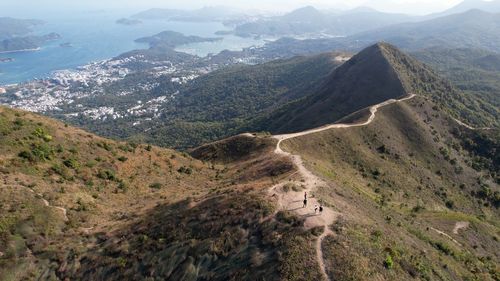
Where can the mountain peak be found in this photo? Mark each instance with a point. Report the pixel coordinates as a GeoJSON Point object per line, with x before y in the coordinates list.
{"type": "Point", "coordinates": [466, 5]}
{"type": "Point", "coordinates": [306, 12]}
{"type": "Point", "coordinates": [374, 75]}
{"type": "Point", "coordinates": [378, 73]}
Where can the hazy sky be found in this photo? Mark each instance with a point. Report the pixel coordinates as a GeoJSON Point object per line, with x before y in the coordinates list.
{"type": "Point", "coordinates": [404, 6]}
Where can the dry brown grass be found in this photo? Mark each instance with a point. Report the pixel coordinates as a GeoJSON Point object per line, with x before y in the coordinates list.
{"type": "Point", "coordinates": [392, 176]}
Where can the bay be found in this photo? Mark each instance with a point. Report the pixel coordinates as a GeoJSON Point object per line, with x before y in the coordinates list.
{"type": "Point", "coordinates": [95, 36]}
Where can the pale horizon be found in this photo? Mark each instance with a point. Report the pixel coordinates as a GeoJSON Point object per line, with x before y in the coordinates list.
{"type": "Point", "coordinates": [30, 8]}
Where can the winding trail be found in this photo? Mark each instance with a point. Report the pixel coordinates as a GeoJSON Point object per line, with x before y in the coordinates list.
{"type": "Point", "coordinates": [469, 126]}
{"type": "Point", "coordinates": [292, 200]}
{"type": "Point", "coordinates": [61, 209]}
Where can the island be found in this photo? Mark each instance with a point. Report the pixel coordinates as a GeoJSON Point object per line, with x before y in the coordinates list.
{"type": "Point", "coordinates": [66, 45]}
{"type": "Point", "coordinates": [6, 59]}
{"type": "Point", "coordinates": [26, 43]}
{"type": "Point", "coordinates": [172, 39]}
{"type": "Point", "coordinates": [125, 21]}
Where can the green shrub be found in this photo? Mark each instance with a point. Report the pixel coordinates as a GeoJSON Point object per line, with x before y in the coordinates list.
{"type": "Point", "coordinates": [123, 186]}
{"type": "Point", "coordinates": [106, 175]}
{"type": "Point", "coordinates": [40, 133]}
{"type": "Point", "coordinates": [185, 170]}
{"type": "Point", "coordinates": [61, 171]}
{"type": "Point", "coordinates": [26, 155]}
{"type": "Point", "coordinates": [71, 163]}
{"type": "Point", "coordinates": [443, 248]}
{"type": "Point", "coordinates": [121, 262]}
{"type": "Point", "coordinates": [42, 151]}
{"type": "Point", "coordinates": [388, 262]}
{"type": "Point", "coordinates": [122, 158]}
{"type": "Point", "coordinates": [449, 204]}
{"type": "Point", "coordinates": [39, 152]}
{"type": "Point", "coordinates": [155, 185]}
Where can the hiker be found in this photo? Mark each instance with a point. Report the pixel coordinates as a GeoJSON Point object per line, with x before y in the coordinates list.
{"type": "Point", "coordinates": [315, 208]}
{"type": "Point", "coordinates": [305, 195]}
{"type": "Point", "coordinates": [320, 209]}
{"type": "Point", "coordinates": [305, 203]}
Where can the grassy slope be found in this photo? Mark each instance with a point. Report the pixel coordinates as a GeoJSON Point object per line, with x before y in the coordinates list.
{"type": "Point", "coordinates": [98, 181]}
{"type": "Point", "coordinates": [136, 211]}
{"type": "Point", "coordinates": [475, 72]}
{"type": "Point", "coordinates": [418, 78]}
{"type": "Point", "coordinates": [395, 181]}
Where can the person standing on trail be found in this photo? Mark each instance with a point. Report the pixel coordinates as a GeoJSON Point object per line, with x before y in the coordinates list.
{"type": "Point", "coordinates": [305, 195]}
{"type": "Point", "coordinates": [315, 208]}
{"type": "Point", "coordinates": [305, 203]}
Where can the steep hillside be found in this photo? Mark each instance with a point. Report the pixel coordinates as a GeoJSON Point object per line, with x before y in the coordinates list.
{"type": "Point", "coordinates": [366, 79]}
{"type": "Point", "coordinates": [475, 72]}
{"type": "Point", "coordinates": [376, 74]}
{"type": "Point", "coordinates": [59, 183]}
{"type": "Point", "coordinates": [77, 206]}
{"type": "Point", "coordinates": [415, 201]}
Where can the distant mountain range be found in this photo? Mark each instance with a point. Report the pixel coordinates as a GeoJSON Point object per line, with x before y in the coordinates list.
{"type": "Point", "coordinates": [492, 6]}
{"type": "Point", "coordinates": [473, 29]}
{"type": "Point", "coordinates": [218, 13]}
{"type": "Point", "coordinates": [309, 21]}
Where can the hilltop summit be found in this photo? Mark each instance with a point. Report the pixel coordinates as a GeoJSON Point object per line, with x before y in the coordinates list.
{"type": "Point", "coordinates": [374, 75]}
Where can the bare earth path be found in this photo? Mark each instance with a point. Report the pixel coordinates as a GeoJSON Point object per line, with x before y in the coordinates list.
{"type": "Point", "coordinates": [292, 200]}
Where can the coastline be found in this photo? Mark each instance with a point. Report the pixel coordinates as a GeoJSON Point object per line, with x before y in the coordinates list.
{"type": "Point", "coordinates": [21, 51]}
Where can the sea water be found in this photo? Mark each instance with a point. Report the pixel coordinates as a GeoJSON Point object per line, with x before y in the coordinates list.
{"type": "Point", "coordinates": [95, 36]}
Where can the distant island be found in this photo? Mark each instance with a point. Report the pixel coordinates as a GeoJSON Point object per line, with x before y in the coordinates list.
{"type": "Point", "coordinates": [125, 21]}
{"type": "Point", "coordinates": [224, 32]}
{"type": "Point", "coordinates": [66, 45]}
{"type": "Point", "coordinates": [27, 43]}
{"type": "Point", "coordinates": [6, 59]}
{"type": "Point", "coordinates": [172, 39]}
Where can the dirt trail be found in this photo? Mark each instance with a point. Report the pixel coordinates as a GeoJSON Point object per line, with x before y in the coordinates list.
{"type": "Point", "coordinates": [293, 200]}
{"type": "Point", "coordinates": [446, 235]}
{"type": "Point", "coordinates": [46, 203]}
{"type": "Point", "coordinates": [470, 127]}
